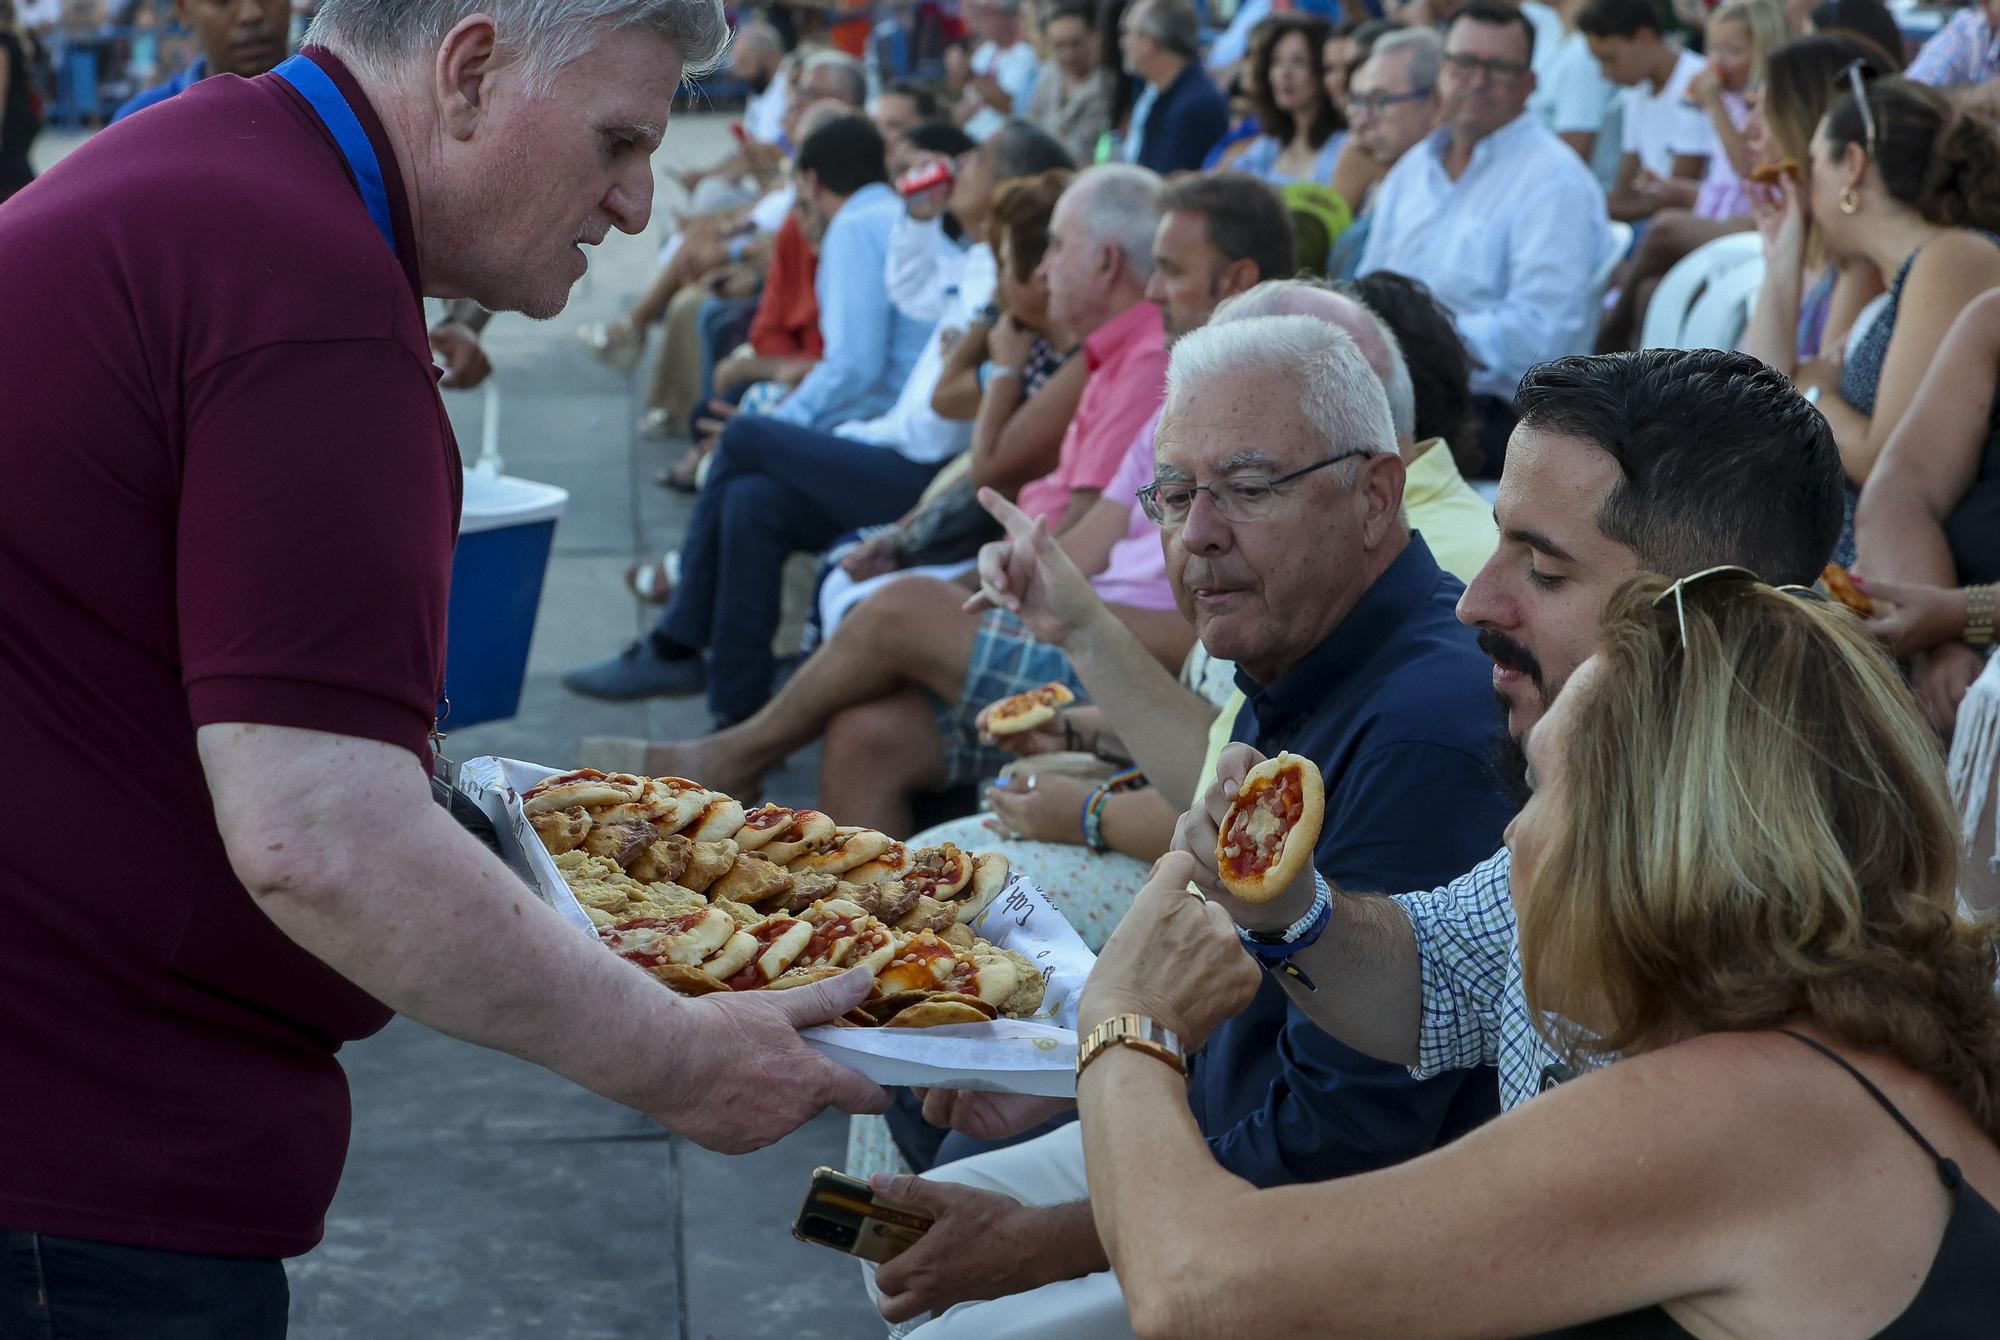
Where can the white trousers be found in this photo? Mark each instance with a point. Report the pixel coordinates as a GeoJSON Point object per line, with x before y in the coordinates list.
{"type": "Point", "coordinates": [1047, 1171]}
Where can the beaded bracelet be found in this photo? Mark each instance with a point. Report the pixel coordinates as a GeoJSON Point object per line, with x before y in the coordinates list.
{"type": "Point", "coordinates": [1092, 819]}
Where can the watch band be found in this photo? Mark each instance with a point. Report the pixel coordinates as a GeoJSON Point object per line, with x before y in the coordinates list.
{"type": "Point", "coordinates": [1137, 1032]}
{"type": "Point", "coordinates": [1979, 616]}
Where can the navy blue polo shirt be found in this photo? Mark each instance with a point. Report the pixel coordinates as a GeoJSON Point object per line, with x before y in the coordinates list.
{"type": "Point", "coordinates": [1396, 707]}
{"type": "Point", "coordinates": [1185, 122]}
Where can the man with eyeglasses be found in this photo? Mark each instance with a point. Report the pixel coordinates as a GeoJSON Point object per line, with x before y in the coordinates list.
{"type": "Point", "coordinates": [1500, 218]}
{"type": "Point", "coordinates": [1278, 493]}
{"type": "Point", "coordinates": [1391, 104]}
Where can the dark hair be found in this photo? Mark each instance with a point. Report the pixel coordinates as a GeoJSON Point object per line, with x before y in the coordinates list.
{"type": "Point", "coordinates": [1276, 121]}
{"type": "Point", "coordinates": [846, 154]}
{"type": "Point", "coordinates": [1867, 18]}
{"type": "Point", "coordinates": [1497, 16]}
{"type": "Point", "coordinates": [1245, 218]}
{"type": "Point", "coordinates": [923, 97]}
{"type": "Point", "coordinates": [1124, 87]}
{"type": "Point", "coordinates": [1799, 84]}
{"type": "Point", "coordinates": [1619, 18]}
{"type": "Point", "coordinates": [1022, 209]}
{"type": "Point", "coordinates": [1929, 156]}
{"type": "Point", "coordinates": [1365, 35]}
{"type": "Point", "coordinates": [940, 137]}
{"type": "Point", "coordinates": [1440, 372]}
{"type": "Point", "coordinates": [1723, 461]}
{"type": "Point", "coordinates": [1083, 11]}
{"type": "Point", "coordinates": [1022, 149]}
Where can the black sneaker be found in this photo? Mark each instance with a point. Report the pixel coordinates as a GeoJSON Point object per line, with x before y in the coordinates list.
{"type": "Point", "coordinates": [639, 672]}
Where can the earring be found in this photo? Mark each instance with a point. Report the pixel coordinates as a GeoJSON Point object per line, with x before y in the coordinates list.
{"type": "Point", "coordinates": [1850, 200]}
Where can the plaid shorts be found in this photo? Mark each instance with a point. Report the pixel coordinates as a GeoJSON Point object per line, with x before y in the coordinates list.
{"type": "Point", "coordinates": [1006, 659]}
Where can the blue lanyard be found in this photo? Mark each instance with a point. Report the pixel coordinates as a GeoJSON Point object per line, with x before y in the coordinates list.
{"type": "Point", "coordinates": [316, 87]}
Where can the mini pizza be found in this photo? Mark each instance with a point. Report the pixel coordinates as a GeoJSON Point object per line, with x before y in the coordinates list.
{"type": "Point", "coordinates": [846, 849]}
{"type": "Point", "coordinates": [920, 963]}
{"type": "Point", "coordinates": [720, 820]}
{"type": "Point", "coordinates": [561, 830]}
{"type": "Point", "coordinates": [989, 877]}
{"type": "Point", "coordinates": [687, 938]}
{"type": "Point", "coordinates": [889, 865]}
{"type": "Point", "coordinates": [666, 808]}
{"type": "Point", "coordinates": [623, 841]}
{"type": "Point", "coordinates": [1770, 173]}
{"type": "Point", "coordinates": [810, 829]}
{"type": "Point", "coordinates": [1267, 837]}
{"type": "Point", "coordinates": [940, 872]}
{"type": "Point", "coordinates": [938, 1010]}
{"type": "Point", "coordinates": [586, 787]}
{"type": "Point", "coordinates": [845, 936]}
{"type": "Point", "coordinates": [763, 824]}
{"type": "Point", "coordinates": [1842, 588]}
{"type": "Point", "coordinates": [751, 880]}
{"type": "Point", "coordinates": [780, 940]}
{"type": "Point", "coordinates": [1024, 711]}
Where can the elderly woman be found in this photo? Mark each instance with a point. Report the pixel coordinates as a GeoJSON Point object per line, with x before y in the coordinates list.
{"type": "Point", "coordinates": [1734, 884]}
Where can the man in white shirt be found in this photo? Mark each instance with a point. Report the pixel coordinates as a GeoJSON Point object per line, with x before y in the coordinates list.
{"type": "Point", "coordinates": [1667, 137]}
{"type": "Point", "coordinates": [1003, 66]}
{"type": "Point", "coordinates": [757, 57]}
{"type": "Point", "coordinates": [1500, 218]}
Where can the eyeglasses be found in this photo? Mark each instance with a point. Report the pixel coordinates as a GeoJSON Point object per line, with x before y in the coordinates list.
{"type": "Point", "coordinates": [1498, 69]}
{"type": "Point", "coordinates": [1727, 572]}
{"type": "Point", "coordinates": [1374, 104]}
{"type": "Point", "coordinates": [1853, 72]}
{"type": "Point", "coordinates": [1236, 497]}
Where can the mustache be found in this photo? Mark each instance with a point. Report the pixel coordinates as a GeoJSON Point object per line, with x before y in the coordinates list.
{"type": "Point", "coordinates": [1199, 573]}
{"type": "Point", "coordinates": [1508, 653]}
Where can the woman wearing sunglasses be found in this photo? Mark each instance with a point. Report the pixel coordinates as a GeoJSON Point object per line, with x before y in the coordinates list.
{"type": "Point", "coordinates": [1734, 885]}
{"type": "Point", "coordinates": [1898, 178]}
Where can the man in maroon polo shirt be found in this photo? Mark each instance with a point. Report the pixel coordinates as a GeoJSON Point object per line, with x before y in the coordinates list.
{"type": "Point", "coordinates": [226, 529]}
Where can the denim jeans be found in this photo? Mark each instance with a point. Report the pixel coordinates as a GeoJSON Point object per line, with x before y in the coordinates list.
{"type": "Point", "coordinates": [69, 1289]}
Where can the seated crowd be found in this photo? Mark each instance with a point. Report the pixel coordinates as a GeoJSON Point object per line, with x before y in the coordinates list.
{"type": "Point", "coordinates": [1279, 394]}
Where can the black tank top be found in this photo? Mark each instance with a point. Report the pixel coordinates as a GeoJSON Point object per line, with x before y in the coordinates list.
{"type": "Point", "coordinates": [1960, 1296]}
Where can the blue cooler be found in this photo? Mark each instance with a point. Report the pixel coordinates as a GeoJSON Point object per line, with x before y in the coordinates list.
{"type": "Point", "coordinates": [496, 587]}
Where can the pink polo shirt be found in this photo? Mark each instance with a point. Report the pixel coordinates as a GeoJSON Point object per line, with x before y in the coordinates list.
{"type": "Point", "coordinates": [1135, 573]}
{"type": "Point", "coordinates": [1128, 379]}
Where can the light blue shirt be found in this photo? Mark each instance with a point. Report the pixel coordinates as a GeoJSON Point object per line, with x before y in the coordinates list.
{"type": "Point", "coordinates": [1509, 248]}
{"type": "Point", "coordinates": [1135, 130]}
{"type": "Point", "coordinates": [871, 344]}
{"type": "Point", "coordinates": [1260, 160]}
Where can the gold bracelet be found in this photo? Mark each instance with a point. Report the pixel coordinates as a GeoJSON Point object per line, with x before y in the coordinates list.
{"type": "Point", "coordinates": [1979, 616]}
{"type": "Point", "coordinates": [1137, 1032]}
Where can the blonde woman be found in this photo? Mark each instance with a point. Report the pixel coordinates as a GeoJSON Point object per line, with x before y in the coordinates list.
{"type": "Point", "coordinates": [1735, 894]}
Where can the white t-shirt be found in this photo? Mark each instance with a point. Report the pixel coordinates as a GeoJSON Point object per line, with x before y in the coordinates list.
{"type": "Point", "coordinates": [1573, 95]}
{"type": "Point", "coordinates": [1662, 125]}
{"type": "Point", "coordinates": [764, 114]}
{"type": "Point", "coordinates": [1548, 26]}
{"type": "Point", "coordinates": [1015, 69]}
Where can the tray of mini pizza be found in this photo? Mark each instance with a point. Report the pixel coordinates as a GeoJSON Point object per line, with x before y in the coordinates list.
{"type": "Point", "coordinates": [976, 972]}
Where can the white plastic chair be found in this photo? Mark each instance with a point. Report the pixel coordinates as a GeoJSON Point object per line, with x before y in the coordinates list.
{"type": "Point", "coordinates": [1621, 244]}
{"type": "Point", "coordinates": [1717, 319]}
{"type": "Point", "coordinates": [1674, 297]}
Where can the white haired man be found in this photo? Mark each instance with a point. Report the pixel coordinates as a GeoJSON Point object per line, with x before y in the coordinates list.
{"type": "Point", "coordinates": [218, 381]}
{"type": "Point", "coordinates": [1278, 489]}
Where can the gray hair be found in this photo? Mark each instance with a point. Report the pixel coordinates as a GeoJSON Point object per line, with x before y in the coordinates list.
{"type": "Point", "coordinates": [852, 73]}
{"type": "Point", "coordinates": [1174, 24]}
{"type": "Point", "coordinates": [541, 35]}
{"type": "Point", "coordinates": [758, 33]}
{"type": "Point", "coordinates": [1119, 204]}
{"type": "Point", "coordinates": [1425, 49]}
{"type": "Point", "coordinates": [1277, 297]}
{"type": "Point", "coordinates": [1340, 397]}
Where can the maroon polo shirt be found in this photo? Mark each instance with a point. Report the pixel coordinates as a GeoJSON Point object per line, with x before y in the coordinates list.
{"type": "Point", "coordinates": [228, 492]}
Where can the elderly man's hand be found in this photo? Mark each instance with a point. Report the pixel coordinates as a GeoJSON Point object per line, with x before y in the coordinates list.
{"type": "Point", "coordinates": [741, 1078]}
{"type": "Point", "coordinates": [465, 361]}
{"type": "Point", "coordinates": [989, 1116]}
{"type": "Point", "coordinates": [1031, 576]}
{"type": "Point", "coordinates": [1175, 959]}
{"type": "Point", "coordinates": [1196, 835]}
{"type": "Point", "coordinates": [982, 1245]}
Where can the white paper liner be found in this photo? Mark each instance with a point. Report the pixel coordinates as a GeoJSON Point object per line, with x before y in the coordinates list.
{"type": "Point", "coordinates": [1030, 1056]}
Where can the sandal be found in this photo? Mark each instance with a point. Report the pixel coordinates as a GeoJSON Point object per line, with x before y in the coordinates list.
{"type": "Point", "coordinates": [684, 475]}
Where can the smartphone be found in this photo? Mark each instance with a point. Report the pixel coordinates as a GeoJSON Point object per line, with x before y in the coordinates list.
{"type": "Point", "coordinates": [843, 1213]}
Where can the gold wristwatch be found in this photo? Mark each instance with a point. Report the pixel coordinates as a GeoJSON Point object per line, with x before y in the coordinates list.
{"type": "Point", "coordinates": [1137, 1032]}
{"type": "Point", "coordinates": [1979, 601]}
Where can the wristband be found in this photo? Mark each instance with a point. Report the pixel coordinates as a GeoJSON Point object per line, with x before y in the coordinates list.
{"type": "Point", "coordinates": [1092, 819]}
{"type": "Point", "coordinates": [1273, 950]}
{"type": "Point", "coordinates": [991, 371]}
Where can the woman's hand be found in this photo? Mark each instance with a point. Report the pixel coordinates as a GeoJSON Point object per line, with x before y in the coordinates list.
{"type": "Point", "coordinates": [1781, 221]}
{"type": "Point", "coordinates": [1174, 958]}
{"type": "Point", "coordinates": [1911, 618]}
{"type": "Point", "coordinates": [874, 556]}
{"type": "Point", "coordinates": [1009, 342]}
{"type": "Point", "coordinates": [1046, 807]}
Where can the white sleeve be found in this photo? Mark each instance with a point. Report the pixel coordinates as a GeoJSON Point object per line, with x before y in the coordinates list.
{"type": "Point", "coordinates": [1583, 96]}
{"type": "Point", "coordinates": [915, 272]}
{"type": "Point", "coordinates": [1633, 135]}
{"type": "Point", "coordinates": [1557, 232]}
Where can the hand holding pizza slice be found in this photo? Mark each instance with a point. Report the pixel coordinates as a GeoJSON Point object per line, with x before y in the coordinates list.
{"type": "Point", "coordinates": [1265, 841]}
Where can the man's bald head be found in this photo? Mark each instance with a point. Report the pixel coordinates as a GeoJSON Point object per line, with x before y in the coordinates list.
{"type": "Point", "coordinates": [1378, 344]}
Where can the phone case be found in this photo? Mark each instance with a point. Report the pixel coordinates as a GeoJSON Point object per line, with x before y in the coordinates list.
{"type": "Point", "coordinates": [842, 1212]}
